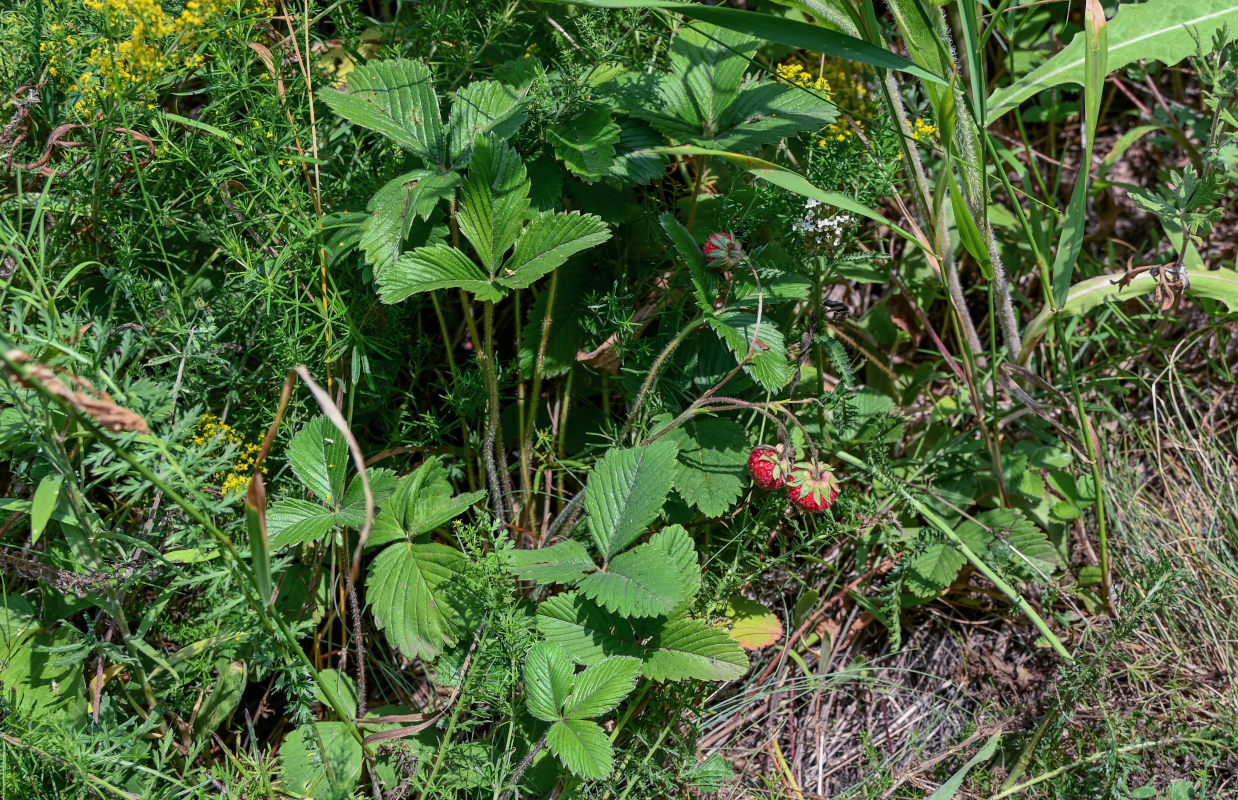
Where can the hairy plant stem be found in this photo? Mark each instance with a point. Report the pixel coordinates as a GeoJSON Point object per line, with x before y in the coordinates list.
{"type": "Point", "coordinates": [524, 764]}
{"type": "Point", "coordinates": [455, 377]}
{"type": "Point", "coordinates": [482, 351]}
{"type": "Point", "coordinates": [658, 363]}
{"type": "Point", "coordinates": [539, 368]}
{"type": "Point", "coordinates": [495, 422]}
{"type": "Point", "coordinates": [932, 218]}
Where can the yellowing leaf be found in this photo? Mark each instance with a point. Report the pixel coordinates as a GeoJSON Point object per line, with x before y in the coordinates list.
{"type": "Point", "coordinates": [752, 625]}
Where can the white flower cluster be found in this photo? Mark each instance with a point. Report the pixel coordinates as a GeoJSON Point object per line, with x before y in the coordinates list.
{"type": "Point", "coordinates": [820, 228]}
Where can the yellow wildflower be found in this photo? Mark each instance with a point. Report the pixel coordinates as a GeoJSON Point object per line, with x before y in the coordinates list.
{"type": "Point", "coordinates": [922, 131]}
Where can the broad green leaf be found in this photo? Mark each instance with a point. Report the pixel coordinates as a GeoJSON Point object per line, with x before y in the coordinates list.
{"type": "Point", "coordinates": [351, 513]}
{"type": "Point", "coordinates": [707, 67]}
{"type": "Point", "coordinates": [1035, 556]}
{"type": "Point", "coordinates": [631, 165]}
{"type": "Point", "coordinates": [397, 99]}
{"type": "Point", "coordinates": [549, 241]}
{"type": "Point", "coordinates": [564, 562]}
{"type": "Point", "coordinates": [420, 502]}
{"type": "Point", "coordinates": [625, 493]}
{"type": "Point", "coordinates": [318, 455]}
{"type": "Point", "coordinates": [221, 699]}
{"type": "Point", "coordinates": [17, 621]}
{"type": "Point", "coordinates": [294, 521]}
{"type": "Point", "coordinates": [712, 463]}
{"type": "Point", "coordinates": [1155, 30]}
{"type": "Point", "coordinates": [773, 285]}
{"type": "Point", "coordinates": [583, 747]}
{"type": "Point", "coordinates": [494, 201]}
{"type": "Point", "coordinates": [585, 632]}
{"type": "Point", "coordinates": [481, 108]}
{"type": "Point", "coordinates": [752, 625]}
{"type": "Point", "coordinates": [601, 687]}
{"type": "Point", "coordinates": [792, 32]}
{"type": "Point", "coordinates": [690, 648]}
{"type": "Point", "coordinates": [639, 583]}
{"type": "Point", "coordinates": [438, 266]}
{"type": "Point", "coordinates": [769, 112]}
{"type": "Point", "coordinates": [338, 683]}
{"type": "Point", "coordinates": [704, 281]}
{"type": "Point", "coordinates": [700, 101]}
{"type": "Point", "coordinates": [586, 143]}
{"type": "Point", "coordinates": [548, 674]}
{"type": "Point", "coordinates": [677, 548]}
{"type": "Point", "coordinates": [739, 331]}
{"type": "Point", "coordinates": [331, 772]}
{"type": "Point", "coordinates": [43, 504]}
{"type": "Point", "coordinates": [710, 775]}
{"type": "Point", "coordinates": [931, 571]}
{"type": "Point", "coordinates": [411, 593]}
{"type": "Point", "coordinates": [46, 686]}
{"type": "Point", "coordinates": [393, 209]}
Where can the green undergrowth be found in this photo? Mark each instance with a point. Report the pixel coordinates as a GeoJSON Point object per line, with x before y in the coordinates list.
{"type": "Point", "coordinates": [381, 382]}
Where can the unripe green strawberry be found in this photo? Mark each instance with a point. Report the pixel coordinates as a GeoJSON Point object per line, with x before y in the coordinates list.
{"type": "Point", "coordinates": [812, 487]}
{"type": "Point", "coordinates": [769, 466]}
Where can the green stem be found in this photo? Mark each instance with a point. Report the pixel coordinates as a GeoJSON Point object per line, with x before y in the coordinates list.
{"type": "Point", "coordinates": [658, 363]}
{"type": "Point", "coordinates": [495, 424]}
{"type": "Point", "coordinates": [699, 162]}
{"type": "Point", "coordinates": [975, 560]}
{"type": "Point", "coordinates": [1083, 762]}
{"type": "Point", "coordinates": [539, 368]}
{"type": "Point", "coordinates": [1089, 441]}
{"type": "Point", "coordinates": [648, 755]}
{"type": "Point", "coordinates": [455, 377]}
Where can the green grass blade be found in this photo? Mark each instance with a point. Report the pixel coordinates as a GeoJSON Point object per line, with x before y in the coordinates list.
{"type": "Point", "coordinates": [1071, 242]}
{"type": "Point", "coordinates": [790, 32]}
{"type": "Point", "coordinates": [1158, 30]}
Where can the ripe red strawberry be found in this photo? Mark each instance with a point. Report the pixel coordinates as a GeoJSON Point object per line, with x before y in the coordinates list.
{"type": "Point", "coordinates": [769, 466]}
{"type": "Point", "coordinates": [812, 487]}
{"type": "Point", "coordinates": [721, 248]}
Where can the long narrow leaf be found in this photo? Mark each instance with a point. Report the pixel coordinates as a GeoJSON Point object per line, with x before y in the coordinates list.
{"type": "Point", "coordinates": [791, 32]}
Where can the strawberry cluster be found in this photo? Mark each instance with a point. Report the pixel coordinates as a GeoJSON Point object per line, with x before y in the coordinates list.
{"type": "Point", "coordinates": [810, 484]}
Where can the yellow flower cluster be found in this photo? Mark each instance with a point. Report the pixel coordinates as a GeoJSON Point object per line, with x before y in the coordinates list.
{"type": "Point", "coordinates": [794, 73]}
{"type": "Point", "coordinates": [922, 131]}
{"type": "Point", "coordinates": [150, 44]}
{"type": "Point", "coordinates": [841, 84]}
{"type": "Point", "coordinates": [215, 435]}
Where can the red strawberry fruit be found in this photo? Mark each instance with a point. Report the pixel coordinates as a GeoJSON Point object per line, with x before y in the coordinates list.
{"type": "Point", "coordinates": [722, 248]}
{"type": "Point", "coordinates": [769, 466]}
{"type": "Point", "coordinates": [812, 487]}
